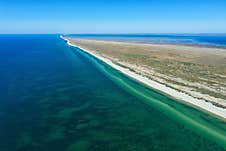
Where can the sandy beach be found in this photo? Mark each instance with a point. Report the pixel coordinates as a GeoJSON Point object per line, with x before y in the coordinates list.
{"type": "Point", "coordinates": [200, 102]}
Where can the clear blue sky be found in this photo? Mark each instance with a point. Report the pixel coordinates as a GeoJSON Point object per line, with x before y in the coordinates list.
{"type": "Point", "coordinates": [112, 16]}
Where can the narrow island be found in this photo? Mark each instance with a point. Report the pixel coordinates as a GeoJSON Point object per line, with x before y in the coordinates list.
{"type": "Point", "coordinates": [193, 75]}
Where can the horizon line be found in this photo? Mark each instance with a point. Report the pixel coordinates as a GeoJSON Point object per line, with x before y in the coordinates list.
{"type": "Point", "coordinates": [135, 33]}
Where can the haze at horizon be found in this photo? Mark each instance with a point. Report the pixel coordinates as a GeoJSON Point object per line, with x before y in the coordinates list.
{"type": "Point", "coordinates": [103, 16]}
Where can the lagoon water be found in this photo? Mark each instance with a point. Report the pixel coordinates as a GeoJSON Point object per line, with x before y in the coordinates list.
{"type": "Point", "coordinates": [56, 97]}
{"type": "Point", "coordinates": [203, 40]}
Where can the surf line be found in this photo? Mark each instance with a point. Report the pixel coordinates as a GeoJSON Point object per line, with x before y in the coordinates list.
{"type": "Point", "coordinates": [164, 108]}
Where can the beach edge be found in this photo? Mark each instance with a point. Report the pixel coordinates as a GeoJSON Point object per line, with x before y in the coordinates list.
{"type": "Point", "coordinates": [180, 96]}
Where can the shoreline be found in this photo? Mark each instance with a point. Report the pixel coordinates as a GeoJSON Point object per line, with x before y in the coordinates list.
{"type": "Point", "coordinates": [180, 96]}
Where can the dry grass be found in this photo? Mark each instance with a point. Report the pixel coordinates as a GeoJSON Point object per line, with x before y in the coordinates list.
{"type": "Point", "coordinates": [199, 69]}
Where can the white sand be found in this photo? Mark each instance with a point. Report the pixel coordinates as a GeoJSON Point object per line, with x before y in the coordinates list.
{"type": "Point", "coordinates": [198, 103]}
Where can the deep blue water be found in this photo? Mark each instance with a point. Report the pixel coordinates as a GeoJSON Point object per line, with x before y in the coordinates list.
{"type": "Point", "coordinates": [53, 98]}
{"type": "Point", "coordinates": [214, 40]}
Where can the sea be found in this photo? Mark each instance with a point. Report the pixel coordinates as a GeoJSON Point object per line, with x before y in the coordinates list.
{"type": "Point", "coordinates": [55, 97]}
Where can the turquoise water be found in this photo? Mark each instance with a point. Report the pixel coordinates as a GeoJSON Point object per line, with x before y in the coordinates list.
{"type": "Point", "coordinates": [55, 97]}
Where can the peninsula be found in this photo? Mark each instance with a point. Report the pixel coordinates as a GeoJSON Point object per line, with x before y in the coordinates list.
{"type": "Point", "coordinates": [191, 74]}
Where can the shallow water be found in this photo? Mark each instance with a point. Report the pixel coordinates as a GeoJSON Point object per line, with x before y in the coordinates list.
{"type": "Point", "coordinates": [206, 40]}
{"type": "Point", "coordinates": [55, 97]}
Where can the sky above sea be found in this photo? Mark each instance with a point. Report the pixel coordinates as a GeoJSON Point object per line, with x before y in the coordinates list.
{"type": "Point", "coordinates": [108, 16]}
